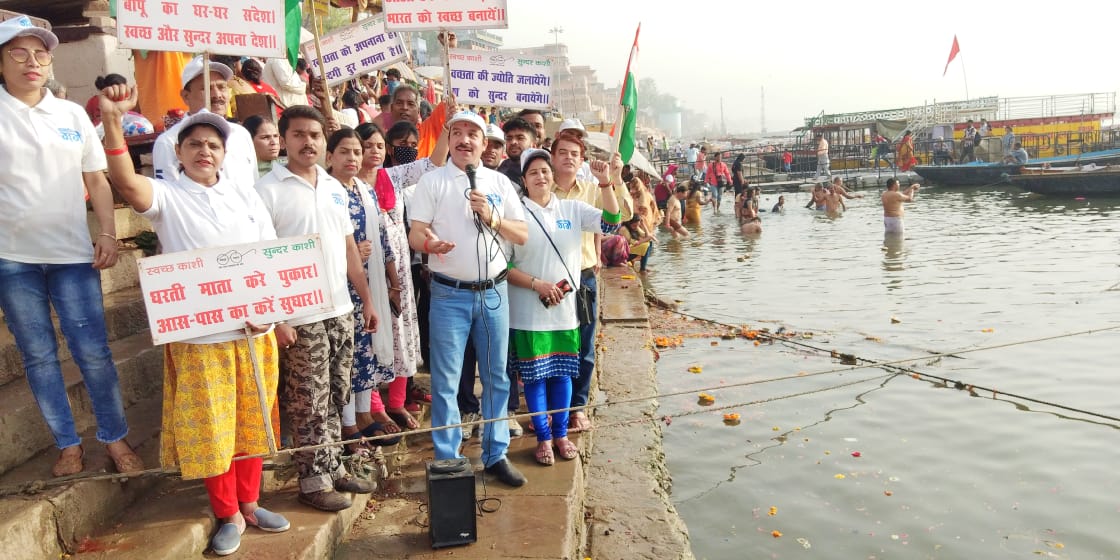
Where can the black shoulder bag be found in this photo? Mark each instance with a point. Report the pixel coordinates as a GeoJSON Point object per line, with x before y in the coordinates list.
{"type": "Point", "coordinates": [585, 310]}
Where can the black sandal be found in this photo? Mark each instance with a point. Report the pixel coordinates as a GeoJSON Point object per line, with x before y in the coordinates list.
{"type": "Point", "coordinates": [376, 429]}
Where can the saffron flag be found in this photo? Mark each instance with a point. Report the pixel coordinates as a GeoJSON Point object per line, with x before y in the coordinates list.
{"type": "Point", "coordinates": [293, 23]}
{"type": "Point", "coordinates": [628, 105]}
{"type": "Point", "coordinates": [952, 54]}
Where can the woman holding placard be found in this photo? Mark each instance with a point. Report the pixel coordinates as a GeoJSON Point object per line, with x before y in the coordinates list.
{"type": "Point", "coordinates": [211, 411]}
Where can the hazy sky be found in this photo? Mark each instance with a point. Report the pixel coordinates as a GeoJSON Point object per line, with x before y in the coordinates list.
{"type": "Point", "coordinates": [832, 56]}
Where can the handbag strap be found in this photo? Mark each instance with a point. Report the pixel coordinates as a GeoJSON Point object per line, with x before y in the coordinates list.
{"type": "Point", "coordinates": [550, 242]}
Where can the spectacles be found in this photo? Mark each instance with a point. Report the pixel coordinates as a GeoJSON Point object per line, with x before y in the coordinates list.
{"type": "Point", "coordinates": [21, 55]}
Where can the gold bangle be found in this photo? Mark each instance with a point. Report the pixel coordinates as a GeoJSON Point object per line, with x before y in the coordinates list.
{"type": "Point", "coordinates": [109, 235]}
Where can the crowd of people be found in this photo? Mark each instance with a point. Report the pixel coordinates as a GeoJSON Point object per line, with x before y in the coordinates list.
{"type": "Point", "coordinates": [447, 216]}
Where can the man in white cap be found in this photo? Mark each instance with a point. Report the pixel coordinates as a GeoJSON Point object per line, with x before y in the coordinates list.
{"type": "Point", "coordinates": [241, 157]}
{"type": "Point", "coordinates": [466, 216]}
{"type": "Point", "coordinates": [495, 146]}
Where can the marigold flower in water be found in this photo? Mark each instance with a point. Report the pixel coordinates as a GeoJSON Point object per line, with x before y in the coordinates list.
{"type": "Point", "coordinates": [775, 533]}
{"type": "Point", "coordinates": [773, 511]}
{"type": "Point", "coordinates": [839, 476]}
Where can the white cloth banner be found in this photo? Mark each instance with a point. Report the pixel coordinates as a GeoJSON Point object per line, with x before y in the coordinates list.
{"type": "Point", "coordinates": [431, 15]}
{"type": "Point", "coordinates": [235, 27]}
{"type": "Point", "coordinates": [208, 291]}
{"type": "Point", "coordinates": [501, 78]}
{"type": "Point", "coordinates": [355, 50]}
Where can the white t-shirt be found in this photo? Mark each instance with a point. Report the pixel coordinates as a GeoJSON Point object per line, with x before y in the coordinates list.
{"type": "Point", "coordinates": [441, 199]}
{"type": "Point", "coordinates": [189, 216]}
{"type": "Point", "coordinates": [299, 208]}
{"type": "Point", "coordinates": [565, 221]}
{"type": "Point", "coordinates": [240, 163]}
{"type": "Point", "coordinates": [43, 152]}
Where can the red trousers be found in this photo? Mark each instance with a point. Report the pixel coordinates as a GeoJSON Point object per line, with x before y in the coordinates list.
{"type": "Point", "coordinates": [240, 484]}
{"type": "Point", "coordinates": [397, 389]}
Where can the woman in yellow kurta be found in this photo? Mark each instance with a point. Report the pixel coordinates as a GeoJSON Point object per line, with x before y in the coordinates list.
{"type": "Point", "coordinates": [693, 204]}
{"type": "Point", "coordinates": [906, 158]}
{"type": "Point", "coordinates": [211, 409]}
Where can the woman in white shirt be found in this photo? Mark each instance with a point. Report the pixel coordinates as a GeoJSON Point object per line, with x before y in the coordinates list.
{"type": "Point", "coordinates": [211, 411]}
{"type": "Point", "coordinates": [49, 153]}
{"type": "Point", "coordinates": [544, 337]}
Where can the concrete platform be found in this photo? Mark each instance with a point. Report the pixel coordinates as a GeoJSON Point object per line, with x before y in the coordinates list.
{"type": "Point", "coordinates": [22, 429]}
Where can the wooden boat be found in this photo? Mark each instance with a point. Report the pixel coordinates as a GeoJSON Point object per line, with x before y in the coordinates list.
{"type": "Point", "coordinates": [977, 173]}
{"type": "Point", "coordinates": [1071, 181]}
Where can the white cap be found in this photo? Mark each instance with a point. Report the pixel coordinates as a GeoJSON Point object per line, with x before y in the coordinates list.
{"type": "Point", "coordinates": [193, 69]}
{"type": "Point", "coordinates": [495, 133]}
{"type": "Point", "coordinates": [208, 118]}
{"type": "Point", "coordinates": [22, 27]}
{"type": "Point", "coordinates": [533, 153]}
{"type": "Point", "coordinates": [468, 116]}
{"type": "Point", "coordinates": [573, 124]}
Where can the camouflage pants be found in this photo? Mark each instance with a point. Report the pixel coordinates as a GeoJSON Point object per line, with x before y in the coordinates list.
{"type": "Point", "coordinates": [314, 386]}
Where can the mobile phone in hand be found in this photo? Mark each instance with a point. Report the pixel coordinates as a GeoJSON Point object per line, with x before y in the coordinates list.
{"type": "Point", "coordinates": [565, 289]}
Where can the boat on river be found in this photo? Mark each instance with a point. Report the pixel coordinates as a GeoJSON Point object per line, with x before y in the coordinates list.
{"type": "Point", "coordinates": [981, 173]}
{"type": "Point", "coordinates": [1071, 181]}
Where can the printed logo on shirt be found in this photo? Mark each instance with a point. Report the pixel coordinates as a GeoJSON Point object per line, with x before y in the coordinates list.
{"type": "Point", "coordinates": [70, 135]}
{"type": "Point", "coordinates": [494, 199]}
{"type": "Point", "coordinates": [338, 199]}
{"type": "Point", "coordinates": [159, 174]}
{"type": "Point", "coordinates": [563, 224]}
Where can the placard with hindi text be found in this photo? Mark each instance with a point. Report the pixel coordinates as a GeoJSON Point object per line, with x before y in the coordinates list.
{"type": "Point", "coordinates": [355, 50]}
{"type": "Point", "coordinates": [232, 27]}
{"type": "Point", "coordinates": [208, 291]}
{"type": "Point", "coordinates": [501, 78]}
{"type": "Point", "coordinates": [432, 15]}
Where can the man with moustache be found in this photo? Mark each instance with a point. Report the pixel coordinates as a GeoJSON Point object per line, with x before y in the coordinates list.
{"type": "Point", "coordinates": [241, 156]}
{"type": "Point", "coordinates": [303, 199]}
{"type": "Point", "coordinates": [405, 106]}
{"type": "Point", "coordinates": [520, 136]}
{"type": "Point", "coordinates": [466, 222]}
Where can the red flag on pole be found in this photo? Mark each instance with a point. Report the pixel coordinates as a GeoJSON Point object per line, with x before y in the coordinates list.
{"type": "Point", "coordinates": [952, 54]}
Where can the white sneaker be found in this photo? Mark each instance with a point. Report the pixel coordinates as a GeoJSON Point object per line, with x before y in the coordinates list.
{"type": "Point", "coordinates": [468, 431]}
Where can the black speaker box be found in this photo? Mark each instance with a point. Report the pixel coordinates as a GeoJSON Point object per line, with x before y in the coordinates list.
{"type": "Point", "coordinates": [451, 503]}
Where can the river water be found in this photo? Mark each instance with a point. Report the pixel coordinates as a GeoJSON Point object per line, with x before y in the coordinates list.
{"type": "Point", "coordinates": [898, 467]}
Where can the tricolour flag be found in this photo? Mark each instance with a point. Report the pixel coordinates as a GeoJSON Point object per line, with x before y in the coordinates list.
{"type": "Point", "coordinates": [628, 107]}
{"type": "Point", "coordinates": [293, 24]}
{"type": "Point", "coordinates": [952, 54]}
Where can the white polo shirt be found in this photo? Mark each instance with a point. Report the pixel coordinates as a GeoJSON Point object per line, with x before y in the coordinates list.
{"type": "Point", "coordinates": [240, 164]}
{"type": "Point", "coordinates": [441, 199]}
{"type": "Point", "coordinates": [565, 221]}
{"type": "Point", "coordinates": [43, 152]}
{"type": "Point", "coordinates": [188, 216]}
{"type": "Point", "coordinates": [299, 208]}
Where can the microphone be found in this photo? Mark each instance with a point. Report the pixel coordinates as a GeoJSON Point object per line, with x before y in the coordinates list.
{"type": "Point", "coordinates": [470, 176]}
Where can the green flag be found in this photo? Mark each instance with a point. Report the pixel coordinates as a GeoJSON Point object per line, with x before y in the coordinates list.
{"type": "Point", "coordinates": [628, 141]}
{"type": "Point", "coordinates": [293, 23]}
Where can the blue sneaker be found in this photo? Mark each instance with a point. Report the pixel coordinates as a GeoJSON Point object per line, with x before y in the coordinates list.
{"type": "Point", "coordinates": [227, 540]}
{"type": "Point", "coordinates": [268, 521]}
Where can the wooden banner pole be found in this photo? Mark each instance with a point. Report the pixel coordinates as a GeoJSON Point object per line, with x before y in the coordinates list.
{"type": "Point", "coordinates": [325, 95]}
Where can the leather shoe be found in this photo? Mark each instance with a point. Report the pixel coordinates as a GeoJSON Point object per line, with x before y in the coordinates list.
{"type": "Point", "coordinates": [326, 500]}
{"type": "Point", "coordinates": [351, 483]}
{"type": "Point", "coordinates": [504, 471]}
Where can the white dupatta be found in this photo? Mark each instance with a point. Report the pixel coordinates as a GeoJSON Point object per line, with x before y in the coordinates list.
{"type": "Point", "coordinates": [378, 287]}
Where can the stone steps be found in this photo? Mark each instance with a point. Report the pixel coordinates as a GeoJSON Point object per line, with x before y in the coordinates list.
{"type": "Point", "coordinates": [54, 523]}
{"type": "Point", "coordinates": [22, 429]}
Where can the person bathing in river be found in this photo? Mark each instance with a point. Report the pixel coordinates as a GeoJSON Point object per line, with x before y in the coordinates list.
{"type": "Point", "coordinates": [892, 205]}
{"type": "Point", "coordinates": [673, 213]}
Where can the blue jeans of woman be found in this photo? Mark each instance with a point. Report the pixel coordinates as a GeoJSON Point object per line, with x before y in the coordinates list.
{"type": "Point", "coordinates": [27, 292]}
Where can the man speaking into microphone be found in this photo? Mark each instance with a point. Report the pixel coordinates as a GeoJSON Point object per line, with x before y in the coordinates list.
{"type": "Point", "coordinates": [463, 216]}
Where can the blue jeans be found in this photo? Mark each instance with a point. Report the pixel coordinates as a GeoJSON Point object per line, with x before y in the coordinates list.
{"type": "Point", "coordinates": [484, 317]}
{"type": "Point", "coordinates": [581, 385]}
{"type": "Point", "coordinates": [27, 292]}
{"type": "Point", "coordinates": [468, 402]}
